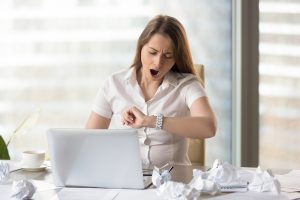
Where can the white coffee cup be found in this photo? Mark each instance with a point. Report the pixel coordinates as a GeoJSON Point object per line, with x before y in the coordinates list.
{"type": "Point", "coordinates": [32, 159]}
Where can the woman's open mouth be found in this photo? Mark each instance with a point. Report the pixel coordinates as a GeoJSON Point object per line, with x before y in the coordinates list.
{"type": "Point", "coordinates": [154, 73]}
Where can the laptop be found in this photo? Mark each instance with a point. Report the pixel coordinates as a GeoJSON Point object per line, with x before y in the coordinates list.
{"type": "Point", "coordinates": [103, 158]}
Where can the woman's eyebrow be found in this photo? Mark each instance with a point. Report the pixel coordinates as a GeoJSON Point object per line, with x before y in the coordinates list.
{"type": "Point", "coordinates": [152, 48]}
{"type": "Point", "coordinates": [168, 52]}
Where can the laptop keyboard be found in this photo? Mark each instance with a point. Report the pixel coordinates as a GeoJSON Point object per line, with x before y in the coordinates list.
{"type": "Point", "coordinates": [147, 181]}
{"type": "Point", "coordinates": [147, 172]}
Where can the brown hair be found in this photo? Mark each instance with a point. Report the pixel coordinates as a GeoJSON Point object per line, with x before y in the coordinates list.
{"type": "Point", "coordinates": [171, 27]}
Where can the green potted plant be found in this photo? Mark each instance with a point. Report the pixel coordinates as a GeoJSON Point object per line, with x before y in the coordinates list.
{"type": "Point", "coordinates": [26, 124]}
{"type": "Point", "coordinates": [4, 155]}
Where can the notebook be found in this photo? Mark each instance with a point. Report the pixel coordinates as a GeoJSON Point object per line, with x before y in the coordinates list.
{"type": "Point", "coordinates": [103, 158]}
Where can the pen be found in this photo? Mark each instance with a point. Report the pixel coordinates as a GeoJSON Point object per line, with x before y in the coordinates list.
{"type": "Point", "coordinates": [146, 174]}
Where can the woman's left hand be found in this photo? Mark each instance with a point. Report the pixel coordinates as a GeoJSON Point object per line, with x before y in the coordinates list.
{"type": "Point", "coordinates": [134, 118]}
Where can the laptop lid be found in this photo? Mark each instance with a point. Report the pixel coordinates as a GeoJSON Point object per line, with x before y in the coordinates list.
{"type": "Point", "coordinates": [95, 158]}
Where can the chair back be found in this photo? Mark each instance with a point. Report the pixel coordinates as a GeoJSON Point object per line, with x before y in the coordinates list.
{"type": "Point", "coordinates": [196, 151]}
{"type": "Point", "coordinates": [200, 73]}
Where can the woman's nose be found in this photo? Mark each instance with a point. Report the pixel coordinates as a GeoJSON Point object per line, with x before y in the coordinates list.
{"type": "Point", "coordinates": [158, 60]}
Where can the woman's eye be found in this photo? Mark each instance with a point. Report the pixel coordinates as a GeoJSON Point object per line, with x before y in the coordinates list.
{"type": "Point", "coordinates": [152, 53]}
{"type": "Point", "coordinates": [168, 56]}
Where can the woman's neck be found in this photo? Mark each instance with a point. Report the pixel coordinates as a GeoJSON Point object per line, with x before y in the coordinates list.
{"type": "Point", "coordinates": [146, 82]}
{"type": "Point", "coordinates": [148, 87]}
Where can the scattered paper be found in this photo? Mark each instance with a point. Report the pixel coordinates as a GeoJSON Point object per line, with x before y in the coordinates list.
{"type": "Point", "coordinates": [179, 191]}
{"type": "Point", "coordinates": [43, 185]}
{"type": "Point", "coordinates": [292, 195]}
{"type": "Point", "coordinates": [290, 182]}
{"type": "Point", "coordinates": [264, 181]}
{"type": "Point", "coordinates": [5, 190]}
{"type": "Point", "coordinates": [222, 177]}
{"type": "Point", "coordinates": [22, 189]}
{"type": "Point", "coordinates": [160, 177]}
{"type": "Point", "coordinates": [204, 186]}
{"type": "Point", "coordinates": [250, 196]}
{"type": "Point", "coordinates": [149, 194]}
{"type": "Point", "coordinates": [223, 174]}
{"type": "Point", "coordinates": [87, 194]}
{"type": "Point", "coordinates": [4, 173]}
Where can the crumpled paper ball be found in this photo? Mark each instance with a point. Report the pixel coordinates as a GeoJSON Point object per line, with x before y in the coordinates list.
{"type": "Point", "coordinates": [168, 189]}
{"type": "Point", "coordinates": [223, 173]}
{"type": "Point", "coordinates": [264, 181]}
{"type": "Point", "coordinates": [178, 191]}
{"type": "Point", "coordinates": [160, 177]}
{"type": "Point", "coordinates": [203, 185]}
{"type": "Point", "coordinates": [219, 178]}
{"type": "Point", "coordinates": [4, 172]}
{"type": "Point", "coordinates": [22, 189]}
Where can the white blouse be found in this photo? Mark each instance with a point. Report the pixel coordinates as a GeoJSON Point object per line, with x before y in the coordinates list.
{"type": "Point", "coordinates": [173, 98]}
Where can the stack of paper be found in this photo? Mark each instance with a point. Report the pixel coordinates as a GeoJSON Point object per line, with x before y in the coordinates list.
{"type": "Point", "coordinates": [290, 184]}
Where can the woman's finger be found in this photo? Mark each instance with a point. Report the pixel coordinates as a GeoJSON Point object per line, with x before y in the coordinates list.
{"type": "Point", "coordinates": [128, 117]}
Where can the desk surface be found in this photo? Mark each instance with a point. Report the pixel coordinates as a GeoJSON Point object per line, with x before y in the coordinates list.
{"type": "Point", "coordinates": [180, 173]}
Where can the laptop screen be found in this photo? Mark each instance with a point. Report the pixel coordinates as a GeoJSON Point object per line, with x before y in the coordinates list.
{"type": "Point", "coordinates": [107, 158]}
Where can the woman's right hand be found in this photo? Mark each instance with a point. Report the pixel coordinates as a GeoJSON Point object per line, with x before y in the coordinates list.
{"type": "Point", "coordinates": [134, 118]}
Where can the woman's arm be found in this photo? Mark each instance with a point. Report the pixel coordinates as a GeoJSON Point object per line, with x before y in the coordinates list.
{"type": "Point", "coordinates": [201, 124]}
{"type": "Point", "coordinates": [96, 121]}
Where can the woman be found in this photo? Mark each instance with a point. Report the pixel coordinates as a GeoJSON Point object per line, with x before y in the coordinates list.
{"type": "Point", "coordinates": [159, 95]}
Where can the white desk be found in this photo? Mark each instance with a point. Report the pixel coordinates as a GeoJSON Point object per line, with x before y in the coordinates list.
{"type": "Point", "coordinates": [179, 173]}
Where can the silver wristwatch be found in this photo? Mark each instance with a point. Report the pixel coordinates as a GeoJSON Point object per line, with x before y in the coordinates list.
{"type": "Point", "coordinates": [159, 121]}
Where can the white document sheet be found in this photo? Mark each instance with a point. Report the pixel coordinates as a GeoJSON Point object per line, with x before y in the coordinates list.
{"type": "Point", "coordinates": [5, 191]}
{"type": "Point", "coordinates": [290, 182]}
{"type": "Point", "coordinates": [148, 194]}
{"type": "Point", "coordinates": [250, 196]}
{"type": "Point", "coordinates": [105, 194]}
{"type": "Point", "coordinates": [43, 185]}
{"type": "Point", "coordinates": [86, 194]}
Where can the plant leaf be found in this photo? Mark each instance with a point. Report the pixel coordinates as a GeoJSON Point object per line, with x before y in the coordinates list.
{"type": "Point", "coordinates": [4, 155]}
{"type": "Point", "coordinates": [26, 124]}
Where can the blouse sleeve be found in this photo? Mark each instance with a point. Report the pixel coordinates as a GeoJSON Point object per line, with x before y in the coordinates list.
{"type": "Point", "coordinates": [102, 105]}
{"type": "Point", "coordinates": [194, 90]}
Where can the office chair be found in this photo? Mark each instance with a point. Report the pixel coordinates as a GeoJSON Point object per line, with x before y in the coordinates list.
{"type": "Point", "coordinates": [196, 151]}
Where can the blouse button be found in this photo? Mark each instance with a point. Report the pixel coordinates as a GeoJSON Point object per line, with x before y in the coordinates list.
{"type": "Point", "coordinates": [147, 141]}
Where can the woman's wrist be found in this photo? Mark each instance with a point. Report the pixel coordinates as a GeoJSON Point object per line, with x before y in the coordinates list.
{"type": "Point", "coordinates": [150, 121]}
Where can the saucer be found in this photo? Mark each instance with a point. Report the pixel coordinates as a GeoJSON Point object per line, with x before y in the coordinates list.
{"type": "Point", "coordinates": [35, 169]}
